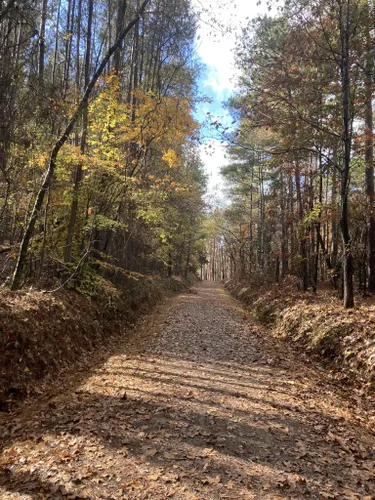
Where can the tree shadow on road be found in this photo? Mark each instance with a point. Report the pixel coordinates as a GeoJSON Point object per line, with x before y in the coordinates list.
{"type": "Point", "coordinates": [192, 444]}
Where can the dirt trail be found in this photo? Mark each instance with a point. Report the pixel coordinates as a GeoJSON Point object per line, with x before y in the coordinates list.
{"type": "Point", "coordinates": [199, 404]}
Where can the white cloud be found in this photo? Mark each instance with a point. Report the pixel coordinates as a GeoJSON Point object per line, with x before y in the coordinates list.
{"type": "Point", "coordinates": [219, 59]}
{"type": "Point", "coordinates": [213, 80]}
{"type": "Point", "coordinates": [213, 154]}
{"type": "Point", "coordinates": [215, 46]}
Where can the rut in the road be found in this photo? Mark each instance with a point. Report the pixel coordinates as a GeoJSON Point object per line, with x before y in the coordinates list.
{"type": "Point", "coordinates": [199, 404]}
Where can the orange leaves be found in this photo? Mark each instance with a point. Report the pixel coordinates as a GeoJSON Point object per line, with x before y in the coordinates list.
{"type": "Point", "coordinates": [167, 184]}
{"type": "Point", "coordinates": [164, 118]}
{"type": "Point", "coordinates": [121, 129]}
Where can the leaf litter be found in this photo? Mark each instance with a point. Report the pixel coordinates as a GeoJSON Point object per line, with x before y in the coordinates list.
{"type": "Point", "coordinates": [198, 404]}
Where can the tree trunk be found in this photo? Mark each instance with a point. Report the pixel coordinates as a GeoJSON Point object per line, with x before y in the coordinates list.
{"type": "Point", "coordinates": [68, 44]}
{"type": "Point", "coordinates": [302, 235]}
{"type": "Point", "coordinates": [348, 264]}
{"type": "Point", "coordinates": [56, 43]}
{"type": "Point", "coordinates": [85, 119]}
{"type": "Point", "coordinates": [251, 222]}
{"type": "Point", "coordinates": [42, 42]}
{"type": "Point", "coordinates": [284, 229]}
{"type": "Point", "coordinates": [261, 228]}
{"type": "Point", "coordinates": [334, 218]}
{"type": "Point", "coordinates": [291, 223]}
{"type": "Point", "coordinates": [318, 226]}
{"type": "Point", "coordinates": [369, 157]}
{"type": "Point", "coordinates": [119, 24]}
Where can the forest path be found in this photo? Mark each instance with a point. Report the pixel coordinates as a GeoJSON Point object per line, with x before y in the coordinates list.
{"type": "Point", "coordinates": [198, 404]}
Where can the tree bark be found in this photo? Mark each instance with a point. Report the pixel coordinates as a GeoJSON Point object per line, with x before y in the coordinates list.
{"type": "Point", "coordinates": [284, 229]}
{"type": "Point", "coordinates": [121, 9]}
{"type": "Point", "coordinates": [318, 226]}
{"type": "Point", "coordinates": [85, 119]}
{"type": "Point", "coordinates": [42, 42]}
{"type": "Point", "coordinates": [369, 158]}
{"type": "Point", "coordinates": [348, 264]}
{"type": "Point", "coordinates": [302, 236]}
{"type": "Point", "coordinates": [334, 217]}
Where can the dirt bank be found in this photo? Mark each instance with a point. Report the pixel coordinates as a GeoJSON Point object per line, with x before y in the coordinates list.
{"type": "Point", "coordinates": [42, 334]}
{"type": "Point", "coordinates": [343, 339]}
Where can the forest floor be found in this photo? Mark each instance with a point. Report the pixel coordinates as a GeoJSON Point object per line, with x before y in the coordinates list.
{"type": "Point", "coordinates": [199, 403]}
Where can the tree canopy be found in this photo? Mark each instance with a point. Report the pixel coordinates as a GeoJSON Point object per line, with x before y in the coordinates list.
{"type": "Point", "coordinates": [99, 163]}
{"type": "Point", "coordinates": [300, 176]}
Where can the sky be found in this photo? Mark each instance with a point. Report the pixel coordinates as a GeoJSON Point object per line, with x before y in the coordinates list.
{"type": "Point", "coordinates": [218, 80]}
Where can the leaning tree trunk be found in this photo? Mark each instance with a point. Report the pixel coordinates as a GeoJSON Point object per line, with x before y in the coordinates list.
{"type": "Point", "coordinates": [22, 256]}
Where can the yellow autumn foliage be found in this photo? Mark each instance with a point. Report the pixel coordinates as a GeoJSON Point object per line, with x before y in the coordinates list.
{"type": "Point", "coordinates": [117, 129]}
{"type": "Point", "coordinates": [172, 158]}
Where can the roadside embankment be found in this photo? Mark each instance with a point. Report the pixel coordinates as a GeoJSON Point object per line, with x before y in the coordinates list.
{"type": "Point", "coordinates": [43, 334]}
{"type": "Point", "coordinates": [344, 340]}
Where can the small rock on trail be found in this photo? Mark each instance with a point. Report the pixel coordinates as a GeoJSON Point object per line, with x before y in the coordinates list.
{"type": "Point", "coordinates": [198, 404]}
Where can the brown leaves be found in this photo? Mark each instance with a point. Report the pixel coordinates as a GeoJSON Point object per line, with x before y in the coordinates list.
{"type": "Point", "coordinates": [211, 480]}
{"type": "Point", "coordinates": [152, 452]}
{"type": "Point", "coordinates": [197, 423]}
{"type": "Point", "coordinates": [292, 481]}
